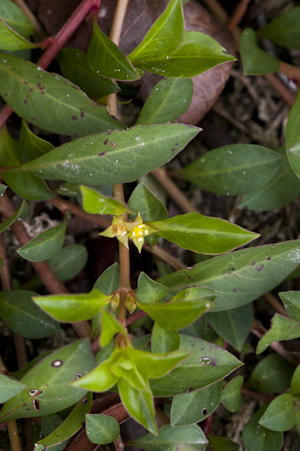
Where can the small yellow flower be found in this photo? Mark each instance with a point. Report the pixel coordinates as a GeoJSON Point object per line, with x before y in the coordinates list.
{"type": "Point", "coordinates": [135, 230]}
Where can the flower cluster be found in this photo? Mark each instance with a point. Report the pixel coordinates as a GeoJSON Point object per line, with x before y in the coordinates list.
{"type": "Point", "coordinates": [124, 230]}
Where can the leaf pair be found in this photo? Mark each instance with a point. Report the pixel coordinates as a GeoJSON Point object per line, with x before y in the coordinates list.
{"type": "Point", "coordinates": [130, 369]}
{"type": "Point", "coordinates": [166, 50]}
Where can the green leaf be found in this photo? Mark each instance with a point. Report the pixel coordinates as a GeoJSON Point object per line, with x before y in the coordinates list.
{"type": "Point", "coordinates": [291, 301]}
{"type": "Point", "coordinates": [15, 18]}
{"type": "Point", "coordinates": [281, 329]}
{"type": "Point", "coordinates": [297, 403]}
{"type": "Point", "coordinates": [233, 325]}
{"type": "Point", "coordinates": [272, 374]}
{"type": "Point", "coordinates": [110, 327]}
{"type": "Point", "coordinates": [102, 429]}
{"type": "Point", "coordinates": [222, 444]}
{"type": "Point", "coordinates": [294, 153]}
{"type": "Point", "coordinates": [280, 415]}
{"type": "Point", "coordinates": [32, 145]}
{"type": "Point", "coordinates": [182, 446]}
{"type": "Point", "coordinates": [11, 40]}
{"type": "Point", "coordinates": [71, 425]}
{"type": "Point", "coordinates": [284, 30]}
{"type": "Point", "coordinates": [295, 384]}
{"type": "Point", "coordinates": [164, 341]}
{"type": "Point", "coordinates": [2, 189]}
{"type": "Point", "coordinates": [139, 404]}
{"type": "Point", "coordinates": [23, 316]}
{"type": "Point", "coordinates": [109, 280]}
{"type": "Point", "coordinates": [233, 170]}
{"type": "Point", "coordinates": [202, 234]}
{"type": "Point", "coordinates": [193, 407]}
{"type": "Point", "coordinates": [207, 364]}
{"type": "Point", "coordinates": [231, 396]}
{"type": "Point", "coordinates": [281, 190]}
{"type": "Point", "coordinates": [239, 277]}
{"type": "Point", "coordinates": [197, 54]}
{"type": "Point", "coordinates": [256, 437]}
{"type": "Point", "coordinates": [293, 136]}
{"type": "Point", "coordinates": [45, 245]}
{"type": "Point", "coordinates": [75, 67]}
{"type": "Point", "coordinates": [192, 435]}
{"type": "Point", "coordinates": [255, 60]}
{"type": "Point", "coordinates": [49, 424]}
{"type": "Point", "coordinates": [27, 186]}
{"type": "Point", "coordinates": [165, 36]}
{"type": "Point", "coordinates": [168, 100]}
{"type": "Point", "coordinates": [148, 290]}
{"type": "Point", "coordinates": [107, 60]}
{"type": "Point", "coordinates": [69, 261]}
{"type": "Point", "coordinates": [94, 202]}
{"type": "Point", "coordinates": [9, 387]}
{"type": "Point", "coordinates": [143, 201]}
{"type": "Point", "coordinates": [72, 307]}
{"type": "Point", "coordinates": [177, 314]}
{"type": "Point", "coordinates": [122, 157]}
{"type": "Point", "coordinates": [50, 101]}
{"type": "Point", "coordinates": [48, 376]}
{"type": "Point", "coordinates": [22, 211]}
{"type": "Point", "coordinates": [68, 189]}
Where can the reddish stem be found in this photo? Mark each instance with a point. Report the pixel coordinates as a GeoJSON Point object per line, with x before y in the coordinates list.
{"type": "Point", "coordinates": [67, 30]}
{"type": "Point", "coordinates": [58, 41]}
